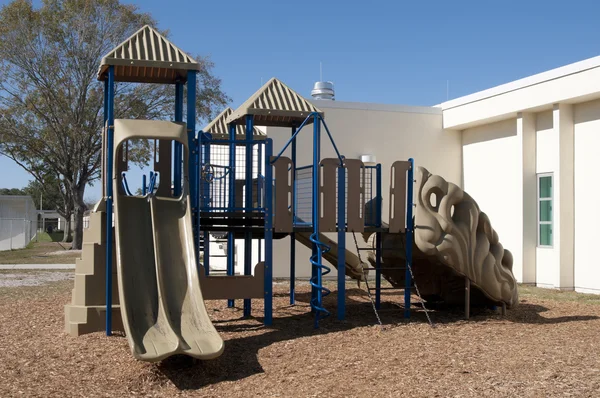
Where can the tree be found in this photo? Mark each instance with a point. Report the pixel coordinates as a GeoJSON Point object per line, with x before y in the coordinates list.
{"type": "Point", "coordinates": [54, 196]}
{"type": "Point", "coordinates": [12, 191]}
{"type": "Point", "coordinates": [51, 102]}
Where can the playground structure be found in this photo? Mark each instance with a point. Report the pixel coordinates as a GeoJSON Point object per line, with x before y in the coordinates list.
{"type": "Point", "coordinates": [228, 183]}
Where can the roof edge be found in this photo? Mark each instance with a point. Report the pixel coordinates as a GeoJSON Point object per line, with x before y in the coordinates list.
{"type": "Point", "coordinates": [552, 74]}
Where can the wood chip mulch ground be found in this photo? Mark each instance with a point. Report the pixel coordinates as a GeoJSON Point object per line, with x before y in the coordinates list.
{"type": "Point", "coordinates": [547, 346]}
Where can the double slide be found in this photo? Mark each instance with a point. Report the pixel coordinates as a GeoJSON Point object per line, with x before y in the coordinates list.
{"type": "Point", "coordinates": [162, 307]}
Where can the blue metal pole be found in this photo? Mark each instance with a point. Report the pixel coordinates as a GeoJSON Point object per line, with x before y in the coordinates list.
{"type": "Point", "coordinates": [317, 271]}
{"type": "Point", "coordinates": [230, 207]}
{"type": "Point", "coordinates": [378, 239]}
{"type": "Point", "coordinates": [205, 204]}
{"type": "Point", "coordinates": [109, 194]}
{"type": "Point", "coordinates": [144, 186]}
{"type": "Point", "coordinates": [260, 204]}
{"type": "Point", "coordinates": [193, 158]}
{"type": "Point", "coordinates": [409, 238]}
{"type": "Point", "coordinates": [177, 146]}
{"type": "Point", "coordinates": [268, 282]}
{"type": "Point", "coordinates": [293, 234]}
{"type": "Point", "coordinates": [248, 205]}
{"type": "Point", "coordinates": [341, 269]}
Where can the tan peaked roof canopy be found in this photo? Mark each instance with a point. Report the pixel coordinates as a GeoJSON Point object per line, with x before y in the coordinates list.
{"type": "Point", "coordinates": [274, 104]}
{"type": "Point", "coordinates": [218, 127]}
{"type": "Point", "coordinates": [147, 57]}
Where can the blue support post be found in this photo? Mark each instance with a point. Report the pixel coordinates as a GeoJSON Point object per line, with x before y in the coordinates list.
{"type": "Point", "coordinates": [248, 205]}
{"type": "Point", "coordinates": [230, 207]}
{"type": "Point", "coordinates": [316, 259]}
{"type": "Point", "coordinates": [409, 237]}
{"type": "Point", "coordinates": [378, 240]}
{"type": "Point", "coordinates": [177, 157]}
{"type": "Point", "coordinates": [205, 199]}
{"type": "Point", "coordinates": [259, 193]}
{"type": "Point", "coordinates": [109, 103]}
{"type": "Point", "coordinates": [193, 158]}
{"type": "Point", "coordinates": [144, 185]}
{"type": "Point", "coordinates": [341, 279]}
{"type": "Point", "coordinates": [268, 282]}
{"type": "Point", "coordinates": [293, 234]}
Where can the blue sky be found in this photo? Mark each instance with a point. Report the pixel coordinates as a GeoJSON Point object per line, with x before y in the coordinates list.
{"type": "Point", "coordinates": [394, 51]}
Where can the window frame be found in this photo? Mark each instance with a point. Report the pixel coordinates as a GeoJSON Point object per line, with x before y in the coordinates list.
{"type": "Point", "coordinates": [539, 200]}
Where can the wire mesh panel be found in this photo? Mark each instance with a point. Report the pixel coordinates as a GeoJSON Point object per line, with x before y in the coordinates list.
{"type": "Point", "coordinates": [304, 195]}
{"type": "Point", "coordinates": [215, 176]}
{"type": "Point", "coordinates": [371, 202]}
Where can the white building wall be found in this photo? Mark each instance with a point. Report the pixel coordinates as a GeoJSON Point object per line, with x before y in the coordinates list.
{"type": "Point", "coordinates": [587, 190]}
{"type": "Point", "coordinates": [547, 161]}
{"type": "Point", "coordinates": [492, 164]}
{"type": "Point", "coordinates": [394, 133]}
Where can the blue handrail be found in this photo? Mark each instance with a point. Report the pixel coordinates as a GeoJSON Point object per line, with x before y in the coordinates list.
{"type": "Point", "coordinates": [293, 137]}
{"type": "Point", "coordinates": [317, 117]}
{"type": "Point", "coordinates": [340, 157]}
{"type": "Point", "coordinates": [125, 185]}
{"type": "Point", "coordinates": [152, 183]}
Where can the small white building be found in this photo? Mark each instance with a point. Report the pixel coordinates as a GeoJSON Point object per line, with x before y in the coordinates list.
{"type": "Point", "coordinates": [18, 221]}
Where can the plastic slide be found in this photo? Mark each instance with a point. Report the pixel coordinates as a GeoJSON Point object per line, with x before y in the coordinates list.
{"type": "Point", "coordinates": [162, 307]}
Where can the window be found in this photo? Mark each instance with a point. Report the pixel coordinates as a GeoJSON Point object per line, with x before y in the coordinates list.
{"type": "Point", "coordinates": [545, 205]}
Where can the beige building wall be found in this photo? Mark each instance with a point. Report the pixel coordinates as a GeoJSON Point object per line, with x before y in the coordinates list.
{"type": "Point", "coordinates": [586, 117]}
{"type": "Point", "coordinates": [493, 158]}
{"type": "Point", "coordinates": [389, 132]}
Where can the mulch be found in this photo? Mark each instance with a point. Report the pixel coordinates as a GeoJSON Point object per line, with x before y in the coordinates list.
{"type": "Point", "coordinates": [543, 347]}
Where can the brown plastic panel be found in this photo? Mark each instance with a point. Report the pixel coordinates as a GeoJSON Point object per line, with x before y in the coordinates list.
{"type": "Point", "coordinates": [398, 178]}
{"type": "Point", "coordinates": [283, 203]}
{"type": "Point", "coordinates": [327, 195]}
{"type": "Point", "coordinates": [121, 162]}
{"type": "Point", "coordinates": [234, 287]}
{"type": "Point", "coordinates": [163, 166]}
{"type": "Point", "coordinates": [355, 175]}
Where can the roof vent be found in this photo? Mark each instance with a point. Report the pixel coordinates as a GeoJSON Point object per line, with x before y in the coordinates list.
{"type": "Point", "coordinates": [323, 91]}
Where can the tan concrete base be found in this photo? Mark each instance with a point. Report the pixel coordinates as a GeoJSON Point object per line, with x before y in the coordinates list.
{"type": "Point", "coordinates": [87, 311]}
{"type": "Point", "coordinates": [89, 319]}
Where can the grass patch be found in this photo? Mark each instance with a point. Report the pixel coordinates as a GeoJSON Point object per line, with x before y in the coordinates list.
{"type": "Point", "coordinates": [530, 292]}
{"type": "Point", "coordinates": [41, 253]}
{"type": "Point", "coordinates": [53, 237]}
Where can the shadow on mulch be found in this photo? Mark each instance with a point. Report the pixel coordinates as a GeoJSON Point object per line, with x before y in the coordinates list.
{"type": "Point", "coordinates": [240, 358]}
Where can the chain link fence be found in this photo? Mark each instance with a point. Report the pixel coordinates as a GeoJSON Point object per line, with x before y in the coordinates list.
{"type": "Point", "coordinates": [18, 222]}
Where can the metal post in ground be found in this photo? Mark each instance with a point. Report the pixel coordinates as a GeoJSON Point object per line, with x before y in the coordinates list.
{"type": "Point", "coordinates": [467, 297]}
{"type": "Point", "coordinates": [293, 234]}
{"type": "Point", "coordinates": [110, 93]}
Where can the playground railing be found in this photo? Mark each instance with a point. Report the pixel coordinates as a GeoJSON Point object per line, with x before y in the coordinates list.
{"type": "Point", "coordinates": [217, 169]}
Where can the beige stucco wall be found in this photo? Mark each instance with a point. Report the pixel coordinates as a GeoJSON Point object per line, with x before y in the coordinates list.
{"type": "Point", "coordinates": [492, 176]}
{"type": "Point", "coordinates": [390, 133]}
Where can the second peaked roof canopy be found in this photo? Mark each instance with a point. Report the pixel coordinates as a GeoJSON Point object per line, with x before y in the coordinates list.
{"type": "Point", "coordinates": [274, 104]}
{"type": "Point", "coordinates": [147, 57]}
{"type": "Point", "coordinates": [218, 127]}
